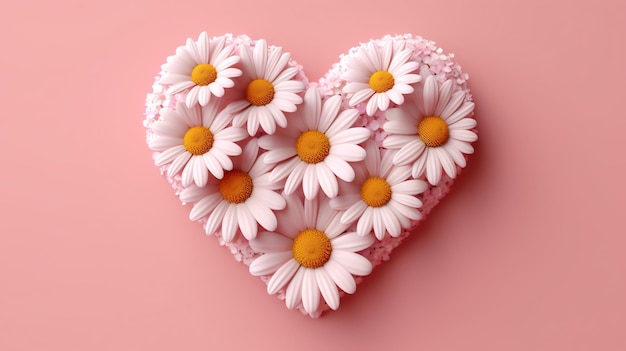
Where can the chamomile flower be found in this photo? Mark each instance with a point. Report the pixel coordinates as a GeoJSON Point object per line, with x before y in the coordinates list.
{"type": "Point", "coordinates": [243, 199]}
{"type": "Point", "coordinates": [382, 197]}
{"type": "Point", "coordinates": [315, 148]}
{"type": "Point", "coordinates": [310, 254]}
{"type": "Point", "coordinates": [434, 133]}
{"type": "Point", "coordinates": [380, 74]}
{"type": "Point", "coordinates": [201, 69]}
{"type": "Point", "coordinates": [196, 140]}
{"type": "Point", "coordinates": [270, 90]}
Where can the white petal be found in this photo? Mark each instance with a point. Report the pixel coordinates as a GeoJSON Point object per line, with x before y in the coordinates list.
{"type": "Point", "coordinates": [282, 276]}
{"type": "Point", "coordinates": [364, 225]}
{"type": "Point", "coordinates": [410, 187]}
{"type": "Point", "coordinates": [295, 178]}
{"type": "Point", "coordinates": [377, 224]}
{"type": "Point", "coordinates": [215, 218]}
{"type": "Point", "coordinates": [213, 165]}
{"type": "Point", "coordinates": [293, 294]}
{"type": "Point", "coordinates": [269, 263]}
{"type": "Point", "coordinates": [445, 92]}
{"type": "Point", "coordinates": [453, 104]}
{"type": "Point", "coordinates": [169, 155]}
{"type": "Point", "coordinates": [341, 276]}
{"type": "Point", "coordinates": [353, 262]}
{"type": "Point", "coordinates": [179, 162]}
{"type": "Point", "coordinates": [204, 206]}
{"type": "Point", "coordinates": [340, 167]}
{"type": "Point", "coordinates": [344, 121]}
{"type": "Point", "coordinates": [268, 242]}
{"type": "Point", "coordinates": [163, 143]}
{"type": "Point", "coordinates": [312, 108]}
{"type": "Point", "coordinates": [446, 162]}
{"type": "Point", "coordinates": [229, 224]}
{"type": "Point", "coordinates": [463, 135]}
{"type": "Point", "coordinates": [262, 214]}
{"type": "Point", "coordinates": [310, 184]}
{"type": "Point", "coordinates": [350, 136]}
{"type": "Point", "coordinates": [348, 152]}
{"type": "Point", "coordinates": [269, 198]}
{"type": "Point", "coordinates": [462, 112]}
{"type": "Point", "coordinates": [433, 169]}
{"type": "Point", "coordinates": [352, 242]}
{"type": "Point", "coordinates": [327, 180]}
{"type": "Point", "coordinates": [310, 291]}
{"type": "Point", "coordinates": [353, 213]}
{"type": "Point", "coordinates": [409, 152]}
{"type": "Point", "coordinates": [327, 288]}
{"type": "Point", "coordinates": [247, 223]}
{"type": "Point", "coordinates": [431, 95]}
{"type": "Point", "coordinates": [200, 172]}
{"type": "Point", "coordinates": [329, 113]}
{"type": "Point", "coordinates": [391, 222]}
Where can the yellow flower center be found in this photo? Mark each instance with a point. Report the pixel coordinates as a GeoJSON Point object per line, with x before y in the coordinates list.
{"type": "Point", "coordinates": [198, 140]}
{"type": "Point", "coordinates": [236, 186]}
{"type": "Point", "coordinates": [203, 74]}
{"type": "Point", "coordinates": [311, 248]}
{"type": "Point", "coordinates": [433, 131]}
{"type": "Point", "coordinates": [312, 146]}
{"type": "Point", "coordinates": [376, 192]}
{"type": "Point", "coordinates": [381, 81]}
{"type": "Point", "coordinates": [260, 92]}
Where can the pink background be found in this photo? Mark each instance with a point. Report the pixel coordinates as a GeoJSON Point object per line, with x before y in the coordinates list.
{"type": "Point", "coordinates": [527, 253]}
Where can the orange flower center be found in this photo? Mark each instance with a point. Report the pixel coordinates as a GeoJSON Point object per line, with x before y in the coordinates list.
{"type": "Point", "coordinates": [236, 186]}
{"type": "Point", "coordinates": [311, 248]}
{"type": "Point", "coordinates": [312, 146]}
{"type": "Point", "coordinates": [376, 192]}
{"type": "Point", "coordinates": [204, 74]}
{"type": "Point", "coordinates": [433, 131]}
{"type": "Point", "coordinates": [260, 92]}
{"type": "Point", "coordinates": [381, 81]}
{"type": "Point", "coordinates": [198, 140]}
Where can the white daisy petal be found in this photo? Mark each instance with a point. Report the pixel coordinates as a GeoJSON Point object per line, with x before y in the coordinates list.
{"type": "Point", "coordinates": [364, 225]}
{"type": "Point", "coordinates": [229, 224]}
{"type": "Point", "coordinates": [341, 276]}
{"type": "Point", "coordinates": [215, 218]}
{"type": "Point", "coordinates": [340, 167]}
{"type": "Point", "coordinates": [433, 169]}
{"type": "Point", "coordinates": [310, 291]}
{"type": "Point", "coordinates": [455, 102]}
{"type": "Point", "coordinates": [351, 136]}
{"type": "Point", "coordinates": [327, 288]}
{"type": "Point", "coordinates": [310, 184]}
{"type": "Point", "coordinates": [352, 242]}
{"type": "Point", "coordinates": [179, 162]}
{"type": "Point", "coordinates": [327, 180]}
{"type": "Point", "coordinates": [348, 152]}
{"type": "Point", "coordinates": [354, 263]}
{"type": "Point", "coordinates": [353, 213]}
{"type": "Point", "coordinates": [409, 152]}
{"type": "Point", "coordinates": [247, 223]}
{"type": "Point", "coordinates": [391, 223]}
{"type": "Point", "coordinates": [410, 187]}
{"type": "Point", "coordinates": [204, 206]}
{"type": "Point", "coordinates": [169, 155]}
{"type": "Point", "coordinates": [282, 276]}
{"type": "Point", "coordinates": [446, 162]}
{"type": "Point", "coordinates": [268, 242]}
{"type": "Point", "coordinates": [295, 178]}
{"type": "Point", "coordinates": [269, 263]}
{"type": "Point", "coordinates": [293, 294]}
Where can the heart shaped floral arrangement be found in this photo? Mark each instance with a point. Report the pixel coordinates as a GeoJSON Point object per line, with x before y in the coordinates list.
{"type": "Point", "coordinates": [310, 184]}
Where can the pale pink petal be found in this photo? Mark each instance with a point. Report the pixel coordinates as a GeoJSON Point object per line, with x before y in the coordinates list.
{"type": "Point", "coordinates": [445, 92]}
{"type": "Point", "coordinates": [391, 223]}
{"type": "Point", "coordinates": [348, 152]}
{"type": "Point", "coordinates": [295, 177]}
{"type": "Point", "coordinates": [269, 198]}
{"type": "Point", "coordinates": [329, 113]}
{"type": "Point", "coordinates": [169, 155]}
{"type": "Point", "coordinates": [433, 168]}
{"type": "Point", "coordinates": [163, 143]}
{"type": "Point", "coordinates": [431, 95]}
{"type": "Point", "coordinates": [408, 212]}
{"type": "Point", "coordinates": [262, 214]}
{"type": "Point", "coordinates": [213, 165]}
{"type": "Point", "coordinates": [312, 108]}
{"type": "Point", "coordinates": [446, 162]}
{"type": "Point", "coordinates": [364, 225]}
{"type": "Point", "coordinates": [283, 169]}
{"type": "Point", "coordinates": [361, 96]}
{"type": "Point", "coordinates": [397, 141]}
{"type": "Point", "coordinates": [200, 172]}
{"type": "Point", "coordinates": [327, 180]}
{"type": "Point", "coordinates": [409, 187]}
{"type": "Point", "coordinates": [355, 135]}
{"type": "Point", "coordinates": [179, 162]}
{"type": "Point", "coordinates": [463, 135]}
{"type": "Point", "coordinates": [344, 121]}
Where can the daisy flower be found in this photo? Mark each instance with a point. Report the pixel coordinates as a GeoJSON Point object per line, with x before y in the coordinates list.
{"type": "Point", "coordinates": [435, 134]}
{"type": "Point", "coordinates": [380, 74]}
{"type": "Point", "coordinates": [242, 198]}
{"type": "Point", "coordinates": [315, 148]}
{"type": "Point", "coordinates": [271, 90]}
{"type": "Point", "coordinates": [309, 254]}
{"type": "Point", "coordinates": [195, 140]}
{"type": "Point", "coordinates": [200, 69]}
{"type": "Point", "coordinates": [385, 199]}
